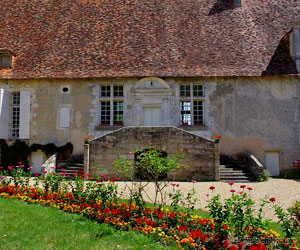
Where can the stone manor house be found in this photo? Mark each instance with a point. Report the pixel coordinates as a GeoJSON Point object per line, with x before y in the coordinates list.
{"type": "Point", "coordinates": [172, 73]}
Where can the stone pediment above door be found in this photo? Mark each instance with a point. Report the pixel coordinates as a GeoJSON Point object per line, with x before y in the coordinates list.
{"type": "Point", "coordinates": [151, 85]}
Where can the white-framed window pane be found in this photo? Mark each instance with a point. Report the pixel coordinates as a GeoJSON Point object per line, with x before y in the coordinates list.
{"type": "Point", "coordinates": [118, 91]}
{"type": "Point", "coordinates": [185, 90]}
{"type": "Point", "coordinates": [105, 91]}
{"type": "Point", "coordinates": [105, 113]}
{"type": "Point", "coordinates": [118, 113]}
{"type": "Point", "coordinates": [198, 90]}
{"type": "Point", "coordinates": [198, 112]}
{"type": "Point", "coordinates": [15, 116]}
{"type": "Point", "coordinates": [185, 110]}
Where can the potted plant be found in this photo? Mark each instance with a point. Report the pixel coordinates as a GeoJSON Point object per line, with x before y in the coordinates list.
{"type": "Point", "coordinates": [117, 123]}
{"type": "Point", "coordinates": [184, 124]}
{"type": "Point", "coordinates": [217, 139]}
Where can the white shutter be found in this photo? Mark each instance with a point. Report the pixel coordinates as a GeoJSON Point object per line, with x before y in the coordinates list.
{"type": "Point", "coordinates": [24, 114]}
{"type": "Point", "coordinates": [4, 114]}
{"type": "Point", "coordinates": [64, 117]}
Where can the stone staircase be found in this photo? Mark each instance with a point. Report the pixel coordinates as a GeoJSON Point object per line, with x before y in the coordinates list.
{"type": "Point", "coordinates": [235, 171]}
{"type": "Point", "coordinates": [71, 166]}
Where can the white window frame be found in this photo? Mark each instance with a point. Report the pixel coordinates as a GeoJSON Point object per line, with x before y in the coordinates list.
{"type": "Point", "coordinates": [12, 116]}
{"type": "Point", "coordinates": [192, 99]}
{"type": "Point", "coordinates": [111, 99]}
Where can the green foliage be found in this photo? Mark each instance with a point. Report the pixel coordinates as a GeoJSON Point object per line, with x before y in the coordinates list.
{"type": "Point", "coordinates": [264, 177]}
{"type": "Point", "coordinates": [150, 165]}
{"type": "Point", "coordinates": [238, 212]}
{"type": "Point", "coordinates": [292, 174]}
{"type": "Point", "coordinates": [295, 212]}
{"type": "Point", "coordinates": [286, 221]}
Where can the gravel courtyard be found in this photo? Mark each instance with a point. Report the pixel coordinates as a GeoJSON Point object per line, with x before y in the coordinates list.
{"type": "Point", "coordinates": [285, 191]}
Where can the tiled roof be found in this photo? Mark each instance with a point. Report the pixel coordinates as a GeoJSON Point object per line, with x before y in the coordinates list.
{"type": "Point", "coordinates": [164, 38]}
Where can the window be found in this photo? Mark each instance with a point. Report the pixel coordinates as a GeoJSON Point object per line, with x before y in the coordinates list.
{"type": "Point", "coordinates": [191, 104]}
{"type": "Point", "coordinates": [111, 105]}
{"type": "Point", "coordinates": [15, 115]}
{"type": "Point", "coordinates": [118, 91]}
{"type": "Point", "coordinates": [5, 60]}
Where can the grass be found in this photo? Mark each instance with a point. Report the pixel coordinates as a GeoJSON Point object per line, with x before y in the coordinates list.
{"type": "Point", "coordinates": [24, 226]}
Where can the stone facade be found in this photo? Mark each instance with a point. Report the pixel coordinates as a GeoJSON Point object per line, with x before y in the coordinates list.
{"type": "Point", "coordinates": [201, 156]}
{"type": "Point", "coordinates": [253, 114]}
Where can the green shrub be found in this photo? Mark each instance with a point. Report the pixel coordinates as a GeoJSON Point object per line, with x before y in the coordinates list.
{"type": "Point", "coordinates": [264, 177]}
{"type": "Point", "coordinates": [292, 174]}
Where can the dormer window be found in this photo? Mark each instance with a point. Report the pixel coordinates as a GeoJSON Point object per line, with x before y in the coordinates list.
{"type": "Point", "coordinates": [5, 59]}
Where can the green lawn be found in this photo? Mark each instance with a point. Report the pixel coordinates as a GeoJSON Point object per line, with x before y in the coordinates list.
{"type": "Point", "coordinates": [24, 226]}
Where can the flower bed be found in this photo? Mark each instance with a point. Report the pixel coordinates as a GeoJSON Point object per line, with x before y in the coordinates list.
{"type": "Point", "coordinates": [233, 225]}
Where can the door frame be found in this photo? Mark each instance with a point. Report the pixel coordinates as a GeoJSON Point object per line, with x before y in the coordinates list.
{"type": "Point", "coordinates": [152, 105]}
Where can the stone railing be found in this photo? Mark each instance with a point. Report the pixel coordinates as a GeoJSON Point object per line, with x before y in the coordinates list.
{"type": "Point", "coordinates": [255, 166]}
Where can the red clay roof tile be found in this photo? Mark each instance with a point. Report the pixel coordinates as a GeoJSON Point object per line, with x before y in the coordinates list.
{"type": "Point", "coordinates": [125, 38]}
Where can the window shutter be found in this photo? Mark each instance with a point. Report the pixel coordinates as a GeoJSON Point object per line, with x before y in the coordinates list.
{"type": "Point", "coordinates": [24, 114]}
{"type": "Point", "coordinates": [64, 117]}
{"type": "Point", "coordinates": [4, 114]}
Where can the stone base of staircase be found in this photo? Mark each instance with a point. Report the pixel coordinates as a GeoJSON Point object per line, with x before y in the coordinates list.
{"type": "Point", "coordinates": [235, 174]}
{"type": "Point", "coordinates": [71, 166]}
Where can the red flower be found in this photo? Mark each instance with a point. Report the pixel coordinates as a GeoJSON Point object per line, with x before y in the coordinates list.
{"type": "Point", "coordinates": [243, 186]}
{"type": "Point", "coordinates": [233, 247]}
{"type": "Point", "coordinates": [226, 243]}
{"type": "Point", "coordinates": [212, 188]}
{"type": "Point", "coordinates": [272, 199]}
{"type": "Point", "coordinates": [112, 180]}
{"type": "Point", "coordinates": [241, 245]}
{"type": "Point", "coordinates": [231, 183]}
{"type": "Point", "coordinates": [232, 191]}
{"type": "Point", "coordinates": [249, 188]}
{"type": "Point", "coordinates": [225, 227]}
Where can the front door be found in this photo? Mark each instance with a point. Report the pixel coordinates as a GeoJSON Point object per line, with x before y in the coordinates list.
{"type": "Point", "coordinates": [151, 116]}
{"type": "Point", "coordinates": [272, 162]}
{"type": "Point", "coordinates": [37, 161]}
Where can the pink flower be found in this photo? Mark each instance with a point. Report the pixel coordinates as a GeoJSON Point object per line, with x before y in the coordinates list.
{"type": "Point", "coordinates": [30, 168]}
{"type": "Point", "coordinates": [62, 174]}
{"type": "Point", "coordinates": [272, 199]}
{"type": "Point", "coordinates": [75, 175]}
{"type": "Point", "coordinates": [241, 192]}
{"type": "Point", "coordinates": [68, 175]}
{"type": "Point", "coordinates": [193, 181]}
{"type": "Point", "coordinates": [58, 166]}
{"type": "Point", "coordinates": [45, 172]}
{"type": "Point", "coordinates": [2, 177]}
{"type": "Point", "coordinates": [19, 163]}
{"type": "Point", "coordinates": [207, 194]}
{"type": "Point", "coordinates": [10, 168]}
{"type": "Point", "coordinates": [19, 171]}
{"type": "Point", "coordinates": [36, 175]}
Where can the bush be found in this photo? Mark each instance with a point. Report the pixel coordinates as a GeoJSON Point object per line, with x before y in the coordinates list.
{"type": "Point", "coordinates": [264, 177]}
{"type": "Point", "coordinates": [292, 174]}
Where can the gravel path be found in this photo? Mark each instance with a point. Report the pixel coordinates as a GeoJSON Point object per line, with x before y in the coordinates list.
{"type": "Point", "coordinates": [285, 191]}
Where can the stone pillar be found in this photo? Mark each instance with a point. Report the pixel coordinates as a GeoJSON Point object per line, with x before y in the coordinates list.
{"type": "Point", "coordinates": [217, 161]}
{"type": "Point", "coordinates": [86, 161]}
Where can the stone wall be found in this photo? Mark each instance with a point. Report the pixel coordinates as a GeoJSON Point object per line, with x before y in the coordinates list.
{"type": "Point", "coordinates": [201, 156]}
